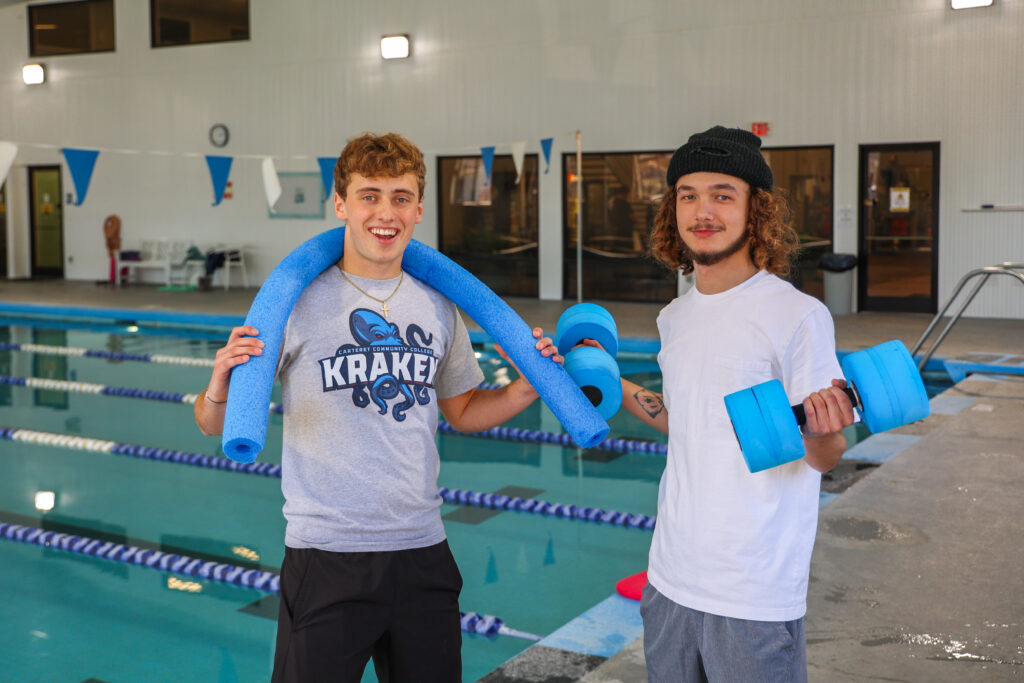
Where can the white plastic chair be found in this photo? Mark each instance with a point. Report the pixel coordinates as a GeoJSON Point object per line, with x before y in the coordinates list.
{"type": "Point", "coordinates": [155, 254]}
{"type": "Point", "coordinates": [181, 267]}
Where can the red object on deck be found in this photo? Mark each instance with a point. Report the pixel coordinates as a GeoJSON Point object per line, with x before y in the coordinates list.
{"type": "Point", "coordinates": [632, 587]}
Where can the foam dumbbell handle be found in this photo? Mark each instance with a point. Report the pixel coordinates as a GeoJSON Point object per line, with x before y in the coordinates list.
{"type": "Point", "coordinates": [801, 416]}
{"type": "Point", "coordinates": [245, 421]}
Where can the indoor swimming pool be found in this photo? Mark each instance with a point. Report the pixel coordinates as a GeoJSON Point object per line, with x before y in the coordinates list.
{"type": "Point", "coordinates": [74, 617]}
{"type": "Point", "coordinates": [92, 416]}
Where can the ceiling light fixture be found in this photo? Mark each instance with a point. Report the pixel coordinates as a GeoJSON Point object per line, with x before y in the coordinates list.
{"type": "Point", "coordinates": [33, 74]}
{"type": "Point", "coordinates": [394, 47]}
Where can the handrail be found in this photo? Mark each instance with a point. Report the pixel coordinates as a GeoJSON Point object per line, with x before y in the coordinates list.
{"type": "Point", "coordinates": [1004, 268]}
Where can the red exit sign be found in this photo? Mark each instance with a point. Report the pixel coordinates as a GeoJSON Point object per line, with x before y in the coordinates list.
{"type": "Point", "coordinates": [761, 128]}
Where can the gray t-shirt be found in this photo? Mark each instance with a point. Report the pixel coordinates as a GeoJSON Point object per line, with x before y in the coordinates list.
{"type": "Point", "coordinates": [359, 461]}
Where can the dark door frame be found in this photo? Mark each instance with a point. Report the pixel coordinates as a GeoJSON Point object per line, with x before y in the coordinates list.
{"type": "Point", "coordinates": [5, 227]}
{"type": "Point", "coordinates": [902, 304]}
{"type": "Point", "coordinates": [33, 270]}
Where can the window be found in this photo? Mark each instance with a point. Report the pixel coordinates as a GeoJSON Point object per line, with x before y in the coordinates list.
{"type": "Point", "coordinates": [491, 231]}
{"type": "Point", "coordinates": [621, 194]}
{"type": "Point", "coordinates": [806, 175]}
{"type": "Point", "coordinates": [188, 22]}
{"type": "Point", "coordinates": [71, 28]}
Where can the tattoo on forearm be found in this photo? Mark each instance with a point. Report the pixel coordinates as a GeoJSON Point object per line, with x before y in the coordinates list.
{"type": "Point", "coordinates": [650, 402]}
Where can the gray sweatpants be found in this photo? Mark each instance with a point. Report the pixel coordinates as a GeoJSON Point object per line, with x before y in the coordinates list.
{"type": "Point", "coordinates": [682, 644]}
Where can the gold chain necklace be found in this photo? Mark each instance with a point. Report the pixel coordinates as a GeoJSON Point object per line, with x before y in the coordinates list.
{"type": "Point", "coordinates": [383, 302]}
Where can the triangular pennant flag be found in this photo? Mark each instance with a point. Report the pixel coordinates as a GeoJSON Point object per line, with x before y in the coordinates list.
{"type": "Point", "coordinates": [545, 146]}
{"type": "Point", "coordinates": [518, 150]}
{"type": "Point", "coordinates": [327, 171]}
{"type": "Point", "coordinates": [220, 169]}
{"type": "Point", "coordinates": [271, 183]}
{"type": "Point", "coordinates": [488, 155]}
{"type": "Point", "coordinates": [80, 163]}
{"type": "Point", "coordinates": [8, 150]}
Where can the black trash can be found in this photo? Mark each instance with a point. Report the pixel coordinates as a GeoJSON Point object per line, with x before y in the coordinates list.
{"type": "Point", "coordinates": [839, 282]}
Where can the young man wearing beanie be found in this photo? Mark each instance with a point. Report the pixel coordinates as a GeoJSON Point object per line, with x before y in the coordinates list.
{"type": "Point", "coordinates": [731, 554]}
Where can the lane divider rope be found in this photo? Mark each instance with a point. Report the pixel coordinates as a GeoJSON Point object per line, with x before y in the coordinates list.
{"type": "Point", "coordinates": [501, 433]}
{"type": "Point", "coordinates": [268, 582]}
{"type": "Point", "coordinates": [109, 355]}
{"type": "Point", "coordinates": [496, 501]}
{"type": "Point", "coordinates": [453, 496]}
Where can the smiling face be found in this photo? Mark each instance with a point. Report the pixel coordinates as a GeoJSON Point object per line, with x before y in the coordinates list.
{"type": "Point", "coordinates": [380, 215]}
{"type": "Point", "coordinates": [711, 214]}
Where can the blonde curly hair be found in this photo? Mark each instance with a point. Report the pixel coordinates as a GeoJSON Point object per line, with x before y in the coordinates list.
{"type": "Point", "coordinates": [773, 241]}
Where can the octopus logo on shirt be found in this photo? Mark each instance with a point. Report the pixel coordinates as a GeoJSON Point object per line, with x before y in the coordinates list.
{"type": "Point", "coordinates": [381, 366]}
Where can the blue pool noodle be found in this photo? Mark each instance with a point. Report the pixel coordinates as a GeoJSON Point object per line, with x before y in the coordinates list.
{"type": "Point", "coordinates": [245, 422]}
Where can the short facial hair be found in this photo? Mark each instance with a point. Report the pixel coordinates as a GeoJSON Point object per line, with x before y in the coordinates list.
{"type": "Point", "coordinates": [713, 257]}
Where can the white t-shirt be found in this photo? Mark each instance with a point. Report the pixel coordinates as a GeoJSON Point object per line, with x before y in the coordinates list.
{"type": "Point", "coordinates": [729, 542]}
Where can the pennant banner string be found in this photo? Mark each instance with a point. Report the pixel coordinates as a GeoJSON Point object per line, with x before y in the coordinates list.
{"type": "Point", "coordinates": [545, 145]}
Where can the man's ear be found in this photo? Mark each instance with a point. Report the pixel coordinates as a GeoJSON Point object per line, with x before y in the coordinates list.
{"type": "Point", "coordinates": [339, 207]}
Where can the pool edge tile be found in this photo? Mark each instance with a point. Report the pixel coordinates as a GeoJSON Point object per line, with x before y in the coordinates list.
{"type": "Point", "coordinates": [603, 630]}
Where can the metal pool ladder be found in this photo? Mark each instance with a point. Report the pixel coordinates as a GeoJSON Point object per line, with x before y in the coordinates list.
{"type": "Point", "coordinates": [1004, 268]}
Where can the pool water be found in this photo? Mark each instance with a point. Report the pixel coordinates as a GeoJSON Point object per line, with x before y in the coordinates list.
{"type": "Point", "coordinates": [75, 618]}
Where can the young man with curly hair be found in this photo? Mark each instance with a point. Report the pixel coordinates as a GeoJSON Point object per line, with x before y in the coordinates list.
{"type": "Point", "coordinates": [730, 557]}
{"type": "Point", "coordinates": [369, 356]}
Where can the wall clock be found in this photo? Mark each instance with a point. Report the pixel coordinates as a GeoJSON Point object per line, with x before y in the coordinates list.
{"type": "Point", "coordinates": [219, 135]}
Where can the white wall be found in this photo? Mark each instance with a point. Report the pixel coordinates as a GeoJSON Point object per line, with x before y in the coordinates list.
{"type": "Point", "coordinates": [631, 75]}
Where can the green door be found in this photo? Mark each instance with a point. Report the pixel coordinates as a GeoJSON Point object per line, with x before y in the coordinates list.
{"type": "Point", "coordinates": [47, 227]}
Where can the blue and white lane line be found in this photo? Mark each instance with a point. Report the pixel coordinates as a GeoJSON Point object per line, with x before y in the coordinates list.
{"type": "Point", "coordinates": [502, 432]}
{"type": "Point", "coordinates": [76, 352]}
{"type": "Point", "coordinates": [491, 501]}
{"type": "Point", "coordinates": [267, 582]}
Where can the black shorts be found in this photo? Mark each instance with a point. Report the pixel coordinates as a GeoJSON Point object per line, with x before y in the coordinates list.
{"type": "Point", "coordinates": [340, 609]}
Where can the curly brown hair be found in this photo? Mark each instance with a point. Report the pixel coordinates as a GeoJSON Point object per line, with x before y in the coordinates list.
{"type": "Point", "coordinates": [379, 156]}
{"type": "Point", "coordinates": [773, 240]}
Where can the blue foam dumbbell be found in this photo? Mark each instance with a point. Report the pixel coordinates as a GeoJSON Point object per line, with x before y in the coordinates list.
{"type": "Point", "coordinates": [884, 386]}
{"type": "Point", "coordinates": [594, 371]}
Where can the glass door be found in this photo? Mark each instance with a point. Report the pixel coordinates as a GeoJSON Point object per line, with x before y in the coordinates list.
{"type": "Point", "coordinates": [805, 173]}
{"type": "Point", "coordinates": [47, 227]}
{"type": "Point", "coordinates": [899, 227]}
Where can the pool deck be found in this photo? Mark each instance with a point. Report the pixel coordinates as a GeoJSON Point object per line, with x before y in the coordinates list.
{"type": "Point", "coordinates": [916, 574]}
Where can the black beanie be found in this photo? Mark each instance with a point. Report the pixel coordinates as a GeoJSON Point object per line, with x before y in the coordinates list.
{"type": "Point", "coordinates": [732, 151]}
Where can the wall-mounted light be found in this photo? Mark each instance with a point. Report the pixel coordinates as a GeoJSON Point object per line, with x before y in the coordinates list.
{"type": "Point", "coordinates": [394, 47]}
{"type": "Point", "coordinates": [33, 74]}
{"type": "Point", "coordinates": [967, 4]}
